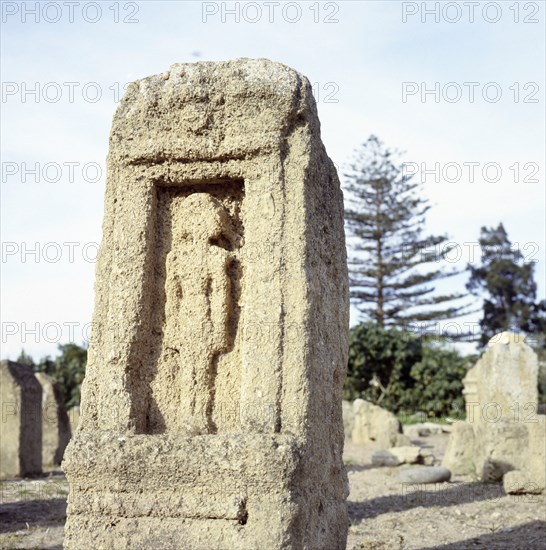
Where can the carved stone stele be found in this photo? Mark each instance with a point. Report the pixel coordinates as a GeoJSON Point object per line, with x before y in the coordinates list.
{"type": "Point", "coordinates": [55, 424]}
{"type": "Point", "coordinates": [21, 424]}
{"type": "Point", "coordinates": [502, 437]}
{"type": "Point", "coordinates": [211, 408]}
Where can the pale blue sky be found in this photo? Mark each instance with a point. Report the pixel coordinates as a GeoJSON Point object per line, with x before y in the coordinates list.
{"type": "Point", "coordinates": [362, 61]}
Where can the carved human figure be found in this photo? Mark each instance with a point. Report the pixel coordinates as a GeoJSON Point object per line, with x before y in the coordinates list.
{"type": "Point", "coordinates": [198, 305]}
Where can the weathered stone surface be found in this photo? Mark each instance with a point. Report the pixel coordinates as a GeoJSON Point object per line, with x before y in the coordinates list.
{"type": "Point", "coordinates": [505, 375]}
{"type": "Point", "coordinates": [348, 418]}
{"type": "Point", "coordinates": [427, 457]}
{"type": "Point", "coordinates": [501, 400]}
{"type": "Point", "coordinates": [21, 425]}
{"type": "Point", "coordinates": [459, 455]}
{"type": "Point", "coordinates": [407, 454]}
{"type": "Point", "coordinates": [536, 464]}
{"type": "Point", "coordinates": [375, 424]}
{"type": "Point", "coordinates": [470, 390]}
{"type": "Point", "coordinates": [422, 429]}
{"type": "Point", "coordinates": [74, 418]}
{"type": "Point", "coordinates": [499, 447]}
{"type": "Point", "coordinates": [424, 474]}
{"type": "Point", "coordinates": [530, 477]}
{"type": "Point", "coordinates": [211, 409]}
{"type": "Point", "coordinates": [520, 482]}
{"type": "Point", "coordinates": [384, 458]}
{"type": "Point", "coordinates": [55, 425]}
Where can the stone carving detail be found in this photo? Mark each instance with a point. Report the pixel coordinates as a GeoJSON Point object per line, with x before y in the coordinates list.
{"type": "Point", "coordinates": [200, 276]}
{"type": "Point", "coordinates": [211, 407]}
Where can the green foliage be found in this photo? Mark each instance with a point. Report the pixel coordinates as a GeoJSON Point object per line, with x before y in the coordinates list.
{"type": "Point", "coordinates": [506, 280]}
{"type": "Point", "coordinates": [437, 381]}
{"type": "Point", "coordinates": [395, 369]}
{"type": "Point", "coordinates": [68, 369]}
{"type": "Point", "coordinates": [25, 359]}
{"type": "Point", "coordinates": [380, 362]}
{"type": "Point", "coordinates": [385, 217]}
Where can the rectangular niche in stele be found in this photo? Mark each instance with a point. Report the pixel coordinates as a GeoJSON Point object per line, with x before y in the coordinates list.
{"type": "Point", "coordinates": [194, 380]}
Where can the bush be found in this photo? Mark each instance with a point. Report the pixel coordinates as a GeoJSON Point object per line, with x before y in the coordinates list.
{"type": "Point", "coordinates": [437, 381]}
{"type": "Point", "coordinates": [395, 369]}
{"type": "Point", "coordinates": [380, 362]}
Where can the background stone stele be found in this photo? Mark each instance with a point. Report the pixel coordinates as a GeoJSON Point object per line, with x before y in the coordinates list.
{"type": "Point", "coordinates": [55, 424]}
{"type": "Point", "coordinates": [506, 387]}
{"type": "Point", "coordinates": [375, 424]}
{"type": "Point", "coordinates": [503, 437]}
{"type": "Point", "coordinates": [348, 418]}
{"type": "Point", "coordinates": [21, 425]}
{"type": "Point", "coordinates": [530, 477]}
{"type": "Point", "coordinates": [506, 375]}
{"type": "Point", "coordinates": [211, 408]}
{"type": "Point", "coordinates": [74, 418]}
{"type": "Point", "coordinates": [459, 455]}
{"type": "Point", "coordinates": [470, 391]}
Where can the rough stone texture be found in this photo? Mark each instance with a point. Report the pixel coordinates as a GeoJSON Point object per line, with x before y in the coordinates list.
{"type": "Point", "coordinates": [499, 447]}
{"type": "Point", "coordinates": [424, 474]}
{"type": "Point", "coordinates": [407, 454]}
{"type": "Point", "coordinates": [427, 456]}
{"type": "Point", "coordinates": [505, 375]}
{"type": "Point", "coordinates": [74, 418]}
{"type": "Point", "coordinates": [211, 409]}
{"type": "Point", "coordinates": [423, 429]}
{"type": "Point", "coordinates": [348, 418]}
{"type": "Point", "coordinates": [55, 424]}
{"type": "Point", "coordinates": [375, 424]}
{"type": "Point", "coordinates": [459, 456]}
{"type": "Point", "coordinates": [21, 425]}
{"type": "Point", "coordinates": [384, 458]}
{"type": "Point", "coordinates": [502, 431]}
{"type": "Point", "coordinates": [470, 390]}
{"type": "Point", "coordinates": [531, 476]}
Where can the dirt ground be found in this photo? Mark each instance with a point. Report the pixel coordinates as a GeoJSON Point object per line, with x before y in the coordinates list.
{"type": "Point", "coordinates": [462, 514]}
{"type": "Point", "coordinates": [384, 513]}
{"type": "Point", "coordinates": [32, 512]}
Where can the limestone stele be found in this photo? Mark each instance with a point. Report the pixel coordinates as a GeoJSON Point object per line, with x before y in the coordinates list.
{"type": "Point", "coordinates": [211, 408]}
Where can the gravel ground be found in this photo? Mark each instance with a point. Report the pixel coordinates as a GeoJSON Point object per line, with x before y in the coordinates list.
{"type": "Point", "coordinates": [459, 515]}
{"type": "Point", "coordinates": [385, 514]}
{"type": "Point", "coordinates": [32, 512]}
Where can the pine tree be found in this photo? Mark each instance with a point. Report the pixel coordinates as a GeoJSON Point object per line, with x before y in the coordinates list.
{"type": "Point", "coordinates": [507, 280]}
{"type": "Point", "coordinates": [385, 217]}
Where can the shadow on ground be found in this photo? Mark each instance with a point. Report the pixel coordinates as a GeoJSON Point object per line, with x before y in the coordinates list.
{"type": "Point", "coordinates": [359, 467]}
{"type": "Point", "coordinates": [533, 533]}
{"type": "Point", "coordinates": [439, 494]}
{"type": "Point", "coordinates": [14, 516]}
